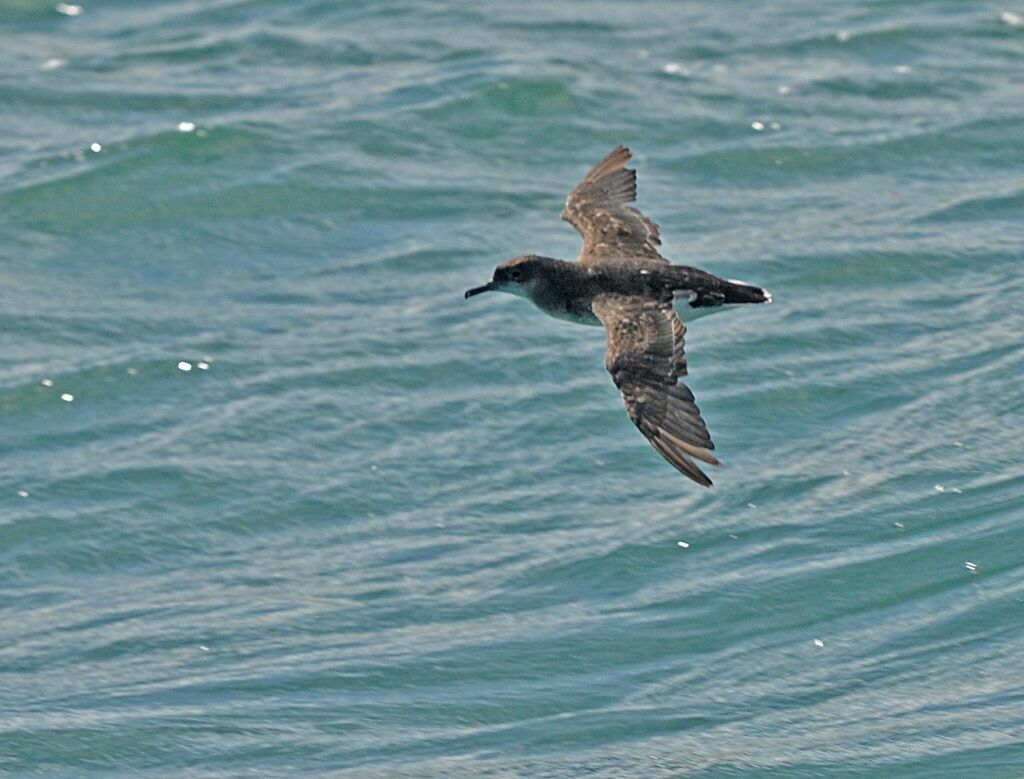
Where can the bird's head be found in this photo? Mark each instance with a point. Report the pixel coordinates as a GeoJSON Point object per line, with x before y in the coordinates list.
{"type": "Point", "coordinates": [518, 276]}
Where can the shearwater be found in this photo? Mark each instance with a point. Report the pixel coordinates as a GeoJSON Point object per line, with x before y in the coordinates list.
{"type": "Point", "coordinates": [622, 282]}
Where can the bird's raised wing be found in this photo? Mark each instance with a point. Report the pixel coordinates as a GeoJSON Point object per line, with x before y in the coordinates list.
{"type": "Point", "coordinates": [598, 209]}
{"type": "Point", "coordinates": [645, 358]}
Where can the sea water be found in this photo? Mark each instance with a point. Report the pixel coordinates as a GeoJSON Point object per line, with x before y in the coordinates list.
{"type": "Point", "coordinates": [276, 501]}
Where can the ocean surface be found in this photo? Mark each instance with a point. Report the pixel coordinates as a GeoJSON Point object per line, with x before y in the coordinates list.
{"type": "Point", "coordinates": [275, 500]}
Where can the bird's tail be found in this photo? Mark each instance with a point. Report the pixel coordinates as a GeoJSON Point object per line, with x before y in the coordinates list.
{"type": "Point", "coordinates": [741, 292]}
{"type": "Point", "coordinates": [705, 292]}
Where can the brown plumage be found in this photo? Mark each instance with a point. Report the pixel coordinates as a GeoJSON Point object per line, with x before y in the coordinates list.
{"type": "Point", "coordinates": [598, 209]}
{"type": "Point", "coordinates": [645, 358]}
{"type": "Point", "coordinates": [622, 282]}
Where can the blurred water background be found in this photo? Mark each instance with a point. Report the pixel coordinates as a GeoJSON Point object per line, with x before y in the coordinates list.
{"type": "Point", "coordinates": [276, 501]}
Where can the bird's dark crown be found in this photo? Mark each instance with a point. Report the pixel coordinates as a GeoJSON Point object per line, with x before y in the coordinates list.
{"type": "Point", "coordinates": [520, 269]}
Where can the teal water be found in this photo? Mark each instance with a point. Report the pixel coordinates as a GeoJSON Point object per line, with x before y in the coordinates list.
{"type": "Point", "coordinates": [381, 531]}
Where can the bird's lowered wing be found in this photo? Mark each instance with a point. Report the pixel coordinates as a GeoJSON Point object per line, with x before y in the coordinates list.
{"type": "Point", "coordinates": [645, 358]}
{"type": "Point", "coordinates": [599, 210]}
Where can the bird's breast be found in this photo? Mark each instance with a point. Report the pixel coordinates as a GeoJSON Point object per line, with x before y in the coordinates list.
{"type": "Point", "coordinates": [580, 317]}
{"type": "Point", "coordinates": [570, 309]}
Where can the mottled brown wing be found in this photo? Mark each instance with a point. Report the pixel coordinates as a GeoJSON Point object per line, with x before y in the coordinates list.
{"type": "Point", "coordinates": [599, 210]}
{"type": "Point", "coordinates": [645, 358]}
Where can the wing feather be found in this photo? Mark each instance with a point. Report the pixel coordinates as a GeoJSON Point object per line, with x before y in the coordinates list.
{"type": "Point", "coordinates": [645, 357]}
{"type": "Point", "coordinates": [599, 210]}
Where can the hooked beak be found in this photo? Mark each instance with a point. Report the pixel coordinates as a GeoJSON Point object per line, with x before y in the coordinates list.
{"type": "Point", "coordinates": [477, 290]}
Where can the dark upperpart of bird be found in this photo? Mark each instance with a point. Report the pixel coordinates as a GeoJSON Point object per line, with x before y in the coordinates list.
{"type": "Point", "coordinates": [622, 282]}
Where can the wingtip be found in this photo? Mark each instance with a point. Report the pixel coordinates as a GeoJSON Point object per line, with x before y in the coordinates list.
{"type": "Point", "coordinates": [699, 477]}
{"type": "Point", "coordinates": [678, 458]}
{"type": "Point", "coordinates": [618, 156]}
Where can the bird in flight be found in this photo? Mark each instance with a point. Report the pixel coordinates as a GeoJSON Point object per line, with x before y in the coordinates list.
{"type": "Point", "coordinates": [620, 281]}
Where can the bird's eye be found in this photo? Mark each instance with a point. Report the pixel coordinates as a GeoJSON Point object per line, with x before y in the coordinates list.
{"type": "Point", "coordinates": [515, 274]}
